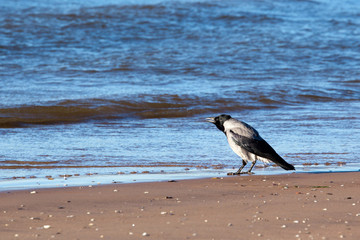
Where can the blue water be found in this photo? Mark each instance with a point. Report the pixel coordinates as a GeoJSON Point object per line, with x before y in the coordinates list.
{"type": "Point", "coordinates": [124, 86]}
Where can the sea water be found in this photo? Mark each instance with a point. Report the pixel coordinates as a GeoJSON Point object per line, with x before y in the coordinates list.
{"type": "Point", "coordinates": [116, 89]}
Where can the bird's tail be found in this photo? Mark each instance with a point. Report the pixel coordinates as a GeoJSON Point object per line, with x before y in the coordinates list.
{"type": "Point", "coordinates": [282, 163]}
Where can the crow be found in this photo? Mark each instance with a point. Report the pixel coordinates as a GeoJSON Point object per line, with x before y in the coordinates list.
{"type": "Point", "coordinates": [246, 142]}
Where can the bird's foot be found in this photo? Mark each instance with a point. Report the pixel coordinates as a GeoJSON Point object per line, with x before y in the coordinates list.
{"type": "Point", "coordinates": [250, 173]}
{"type": "Point", "coordinates": [238, 173]}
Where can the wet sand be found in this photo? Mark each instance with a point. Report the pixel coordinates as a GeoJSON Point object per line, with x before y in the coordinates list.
{"type": "Point", "coordinates": [290, 206]}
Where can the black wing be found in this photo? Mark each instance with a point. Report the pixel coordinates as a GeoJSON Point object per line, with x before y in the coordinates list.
{"type": "Point", "coordinates": [260, 148]}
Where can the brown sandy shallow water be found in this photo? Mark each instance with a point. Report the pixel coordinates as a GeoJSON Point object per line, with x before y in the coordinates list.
{"type": "Point", "coordinates": [291, 206]}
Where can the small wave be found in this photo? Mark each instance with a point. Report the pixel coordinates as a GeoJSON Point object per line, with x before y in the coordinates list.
{"type": "Point", "coordinates": [315, 98]}
{"type": "Point", "coordinates": [248, 17]}
{"type": "Point", "coordinates": [143, 106]}
{"type": "Point", "coordinates": [54, 166]}
{"type": "Point", "coordinates": [327, 95]}
{"type": "Point", "coordinates": [353, 81]}
{"type": "Point", "coordinates": [163, 106]}
{"type": "Point", "coordinates": [57, 165]}
{"type": "Point", "coordinates": [295, 96]}
{"type": "Point", "coordinates": [17, 162]}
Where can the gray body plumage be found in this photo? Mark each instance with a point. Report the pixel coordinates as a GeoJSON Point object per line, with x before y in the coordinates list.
{"type": "Point", "coordinates": [246, 142]}
{"type": "Point", "coordinates": [239, 135]}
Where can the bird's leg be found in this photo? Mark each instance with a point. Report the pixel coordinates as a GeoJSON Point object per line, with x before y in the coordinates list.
{"type": "Point", "coordinates": [238, 171]}
{"type": "Point", "coordinates": [251, 167]}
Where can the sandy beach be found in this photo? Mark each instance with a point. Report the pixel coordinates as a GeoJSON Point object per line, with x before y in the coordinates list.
{"type": "Point", "coordinates": [290, 206]}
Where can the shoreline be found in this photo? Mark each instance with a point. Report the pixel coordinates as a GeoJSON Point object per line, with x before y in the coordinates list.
{"type": "Point", "coordinates": [285, 206]}
{"type": "Point", "coordinates": [76, 180]}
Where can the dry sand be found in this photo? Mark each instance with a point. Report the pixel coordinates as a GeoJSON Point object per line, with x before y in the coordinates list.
{"type": "Point", "coordinates": [291, 206]}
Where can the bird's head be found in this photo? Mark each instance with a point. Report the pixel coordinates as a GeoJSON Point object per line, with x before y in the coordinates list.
{"type": "Point", "coordinates": [219, 121]}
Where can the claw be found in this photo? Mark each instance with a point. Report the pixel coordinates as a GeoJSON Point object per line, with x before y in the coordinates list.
{"type": "Point", "coordinates": [233, 173]}
{"type": "Point", "coordinates": [239, 173]}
